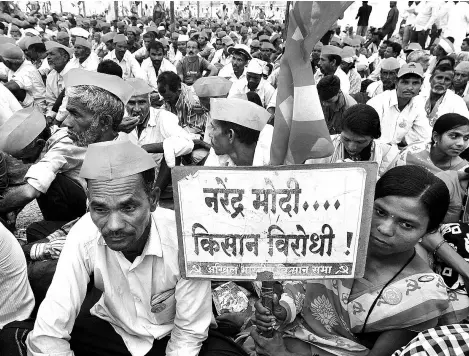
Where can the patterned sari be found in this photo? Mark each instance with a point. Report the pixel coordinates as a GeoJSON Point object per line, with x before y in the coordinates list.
{"type": "Point", "coordinates": [325, 315]}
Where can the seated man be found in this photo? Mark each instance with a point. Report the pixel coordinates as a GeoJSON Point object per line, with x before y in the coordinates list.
{"type": "Point", "coordinates": [17, 301]}
{"type": "Point", "coordinates": [236, 69]}
{"type": "Point", "coordinates": [192, 66]}
{"type": "Point", "coordinates": [128, 248]}
{"type": "Point", "coordinates": [156, 64]}
{"type": "Point", "coordinates": [253, 82]}
{"type": "Point", "coordinates": [237, 139]}
{"type": "Point", "coordinates": [53, 178]}
{"type": "Point", "coordinates": [333, 102]}
{"type": "Point", "coordinates": [24, 80]}
{"type": "Point", "coordinates": [401, 111]}
{"type": "Point", "coordinates": [84, 57]}
{"type": "Point", "coordinates": [388, 73]}
{"type": "Point", "coordinates": [120, 55]}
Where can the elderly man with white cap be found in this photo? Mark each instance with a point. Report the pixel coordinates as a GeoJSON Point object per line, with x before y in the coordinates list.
{"type": "Point", "coordinates": [76, 32]}
{"type": "Point", "coordinates": [460, 81]}
{"type": "Point", "coordinates": [348, 66]}
{"type": "Point", "coordinates": [255, 82]}
{"type": "Point", "coordinates": [120, 55]}
{"type": "Point", "coordinates": [128, 247]}
{"type": "Point", "coordinates": [239, 134]}
{"type": "Point", "coordinates": [236, 69]}
{"type": "Point", "coordinates": [84, 57]}
{"type": "Point", "coordinates": [440, 99]}
{"type": "Point", "coordinates": [59, 58]}
{"type": "Point", "coordinates": [24, 80]}
{"type": "Point", "coordinates": [401, 110]}
{"type": "Point", "coordinates": [389, 68]}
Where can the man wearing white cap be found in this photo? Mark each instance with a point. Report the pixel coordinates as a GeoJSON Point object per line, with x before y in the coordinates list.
{"type": "Point", "coordinates": [157, 130]}
{"type": "Point", "coordinates": [388, 70]}
{"type": "Point", "coordinates": [239, 134]}
{"type": "Point", "coordinates": [253, 82]}
{"type": "Point", "coordinates": [36, 53]}
{"type": "Point", "coordinates": [460, 81]}
{"type": "Point", "coordinates": [24, 80]}
{"type": "Point", "coordinates": [120, 55]}
{"type": "Point", "coordinates": [401, 111]}
{"type": "Point", "coordinates": [236, 70]}
{"type": "Point", "coordinates": [156, 64]}
{"type": "Point", "coordinates": [348, 66]}
{"type": "Point", "coordinates": [85, 58]}
{"type": "Point", "coordinates": [78, 32]}
{"type": "Point", "coordinates": [329, 64]}
{"type": "Point", "coordinates": [129, 245]}
{"type": "Point", "coordinates": [53, 178]}
{"type": "Point", "coordinates": [439, 99]}
{"type": "Point", "coordinates": [59, 58]}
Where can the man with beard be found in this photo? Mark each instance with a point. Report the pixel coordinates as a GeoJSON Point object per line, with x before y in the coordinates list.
{"type": "Point", "coordinates": [156, 64]}
{"type": "Point", "coordinates": [401, 110]}
{"type": "Point", "coordinates": [253, 82]}
{"type": "Point", "coordinates": [329, 64]}
{"type": "Point", "coordinates": [236, 70]}
{"type": "Point", "coordinates": [192, 66]}
{"type": "Point", "coordinates": [84, 57]}
{"type": "Point", "coordinates": [53, 178]}
{"type": "Point", "coordinates": [58, 57]}
{"type": "Point", "coordinates": [460, 81]}
{"type": "Point", "coordinates": [440, 99]}
{"type": "Point", "coordinates": [120, 55]}
{"type": "Point", "coordinates": [388, 73]}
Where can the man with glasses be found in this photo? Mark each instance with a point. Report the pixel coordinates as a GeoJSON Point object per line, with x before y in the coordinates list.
{"type": "Point", "coordinates": [333, 102]}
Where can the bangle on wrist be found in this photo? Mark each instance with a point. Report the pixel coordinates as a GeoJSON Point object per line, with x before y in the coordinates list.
{"type": "Point", "coordinates": [438, 247]}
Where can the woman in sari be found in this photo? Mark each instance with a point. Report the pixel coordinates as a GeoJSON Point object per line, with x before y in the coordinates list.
{"type": "Point", "coordinates": [358, 140]}
{"type": "Point", "coordinates": [397, 297]}
{"type": "Point", "coordinates": [450, 137]}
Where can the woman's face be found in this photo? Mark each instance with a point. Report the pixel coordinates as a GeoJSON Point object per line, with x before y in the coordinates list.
{"type": "Point", "coordinates": [354, 143]}
{"type": "Point", "coordinates": [452, 142]}
{"type": "Point", "coordinates": [397, 225]}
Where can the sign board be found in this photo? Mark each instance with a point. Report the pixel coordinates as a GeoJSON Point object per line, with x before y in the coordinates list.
{"type": "Point", "coordinates": [283, 223]}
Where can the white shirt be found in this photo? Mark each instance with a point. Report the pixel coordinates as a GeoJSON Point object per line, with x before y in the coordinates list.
{"type": "Point", "coordinates": [409, 14]}
{"type": "Point", "coordinates": [374, 89]}
{"type": "Point", "coordinates": [129, 65]}
{"type": "Point", "coordinates": [220, 57]}
{"type": "Point", "coordinates": [228, 73]}
{"type": "Point", "coordinates": [55, 85]}
{"type": "Point", "coordinates": [174, 57]}
{"type": "Point", "coordinates": [29, 79]}
{"type": "Point", "coordinates": [8, 104]}
{"type": "Point", "coordinates": [264, 90]}
{"type": "Point", "coordinates": [127, 292]}
{"type": "Point", "coordinates": [451, 103]}
{"type": "Point", "coordinates": [149, 74]}
{"type": "Point", "coordinates": [90, 63]}
{"type": "Point", "coordinates": [16, 296]}
{"type": "Point", "coordinates": [427, 13]}
{"type": "Point", "coordinates": [344, 81]}
{"type": "Point", "coordinates": [261, 153]}
{"type": "Point", "coordinates": [140, 53]}
{"type": "Point", "coordinates": [395, 124]}
{"type": "Point", "coordinates": [161, 125]}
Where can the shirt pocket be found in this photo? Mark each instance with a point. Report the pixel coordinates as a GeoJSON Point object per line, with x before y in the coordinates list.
{"type": "Point", "coordinates": [163, 307]}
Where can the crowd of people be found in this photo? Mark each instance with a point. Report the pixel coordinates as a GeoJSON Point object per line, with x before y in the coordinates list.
{"type": "Point", "coordinates": [93, 116]}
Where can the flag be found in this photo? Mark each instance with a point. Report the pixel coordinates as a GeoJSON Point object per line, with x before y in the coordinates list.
{"type": "Point", "coordinates": [300, 131]}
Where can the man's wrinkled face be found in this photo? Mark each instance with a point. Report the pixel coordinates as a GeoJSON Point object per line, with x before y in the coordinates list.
{"type": "Point", "coordinates": [83, 128]}
{"type": "Point", "coordinates": [389, 77]}
{"type": "Point", "coordinates": [440, 82]}
{"type": "Point", "coordinates": [121, 210]}
{"type": "Point", "coordinates": [82, 52]}
{"type": "Point", "coordinates": [460, 78]}
{"type": "Point", "coordinates": [254, 80]}
{"type": "Point", "coordinates": [139, 105]}
{"type": "Point", "coordinates": [56, 59]}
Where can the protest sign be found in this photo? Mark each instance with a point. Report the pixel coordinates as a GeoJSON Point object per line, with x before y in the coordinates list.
{"type": "Point", "coordinates": [282, 223]}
